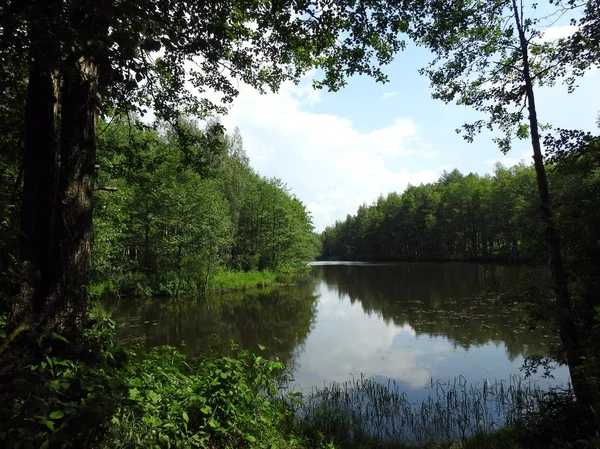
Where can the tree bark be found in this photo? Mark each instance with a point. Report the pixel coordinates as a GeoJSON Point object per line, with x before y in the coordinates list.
{"type": "Point", "coordinates": [40, 164]}
{"type": "Point", "coordinates": [69, 306]}
{"type": "Point", "coordinates": [566, 321]}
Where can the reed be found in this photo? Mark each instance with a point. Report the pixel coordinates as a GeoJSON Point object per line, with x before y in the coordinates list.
{"type": "Point", "coordinates": [363, 410]}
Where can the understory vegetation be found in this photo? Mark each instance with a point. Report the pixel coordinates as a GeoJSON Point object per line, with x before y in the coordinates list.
{"type": "Point", "coordinates": [94, 392]}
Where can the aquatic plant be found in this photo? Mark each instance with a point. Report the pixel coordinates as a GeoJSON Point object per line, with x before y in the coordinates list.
{"type": "Point", "coordinates": [362, 410]}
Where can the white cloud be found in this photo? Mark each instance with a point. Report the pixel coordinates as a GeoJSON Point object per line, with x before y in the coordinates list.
{"type": "Point", "coordinates": [331, 164]}
{"type": "Point", "coordinates": [558, 32]}
{"type": "Point", "coordinates": [387, 95]}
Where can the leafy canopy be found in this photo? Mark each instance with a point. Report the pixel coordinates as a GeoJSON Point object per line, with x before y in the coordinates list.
{"type": "Point", "coordinates": [479, 60]}
{"type": "Point", "coordinates": [154, 53]}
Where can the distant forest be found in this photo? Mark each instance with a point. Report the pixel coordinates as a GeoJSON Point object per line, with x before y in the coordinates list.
{"type": "Point", "coordinates": [465, 217]}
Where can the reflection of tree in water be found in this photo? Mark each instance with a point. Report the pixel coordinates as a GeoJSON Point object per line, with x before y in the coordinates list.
{"type": "Point", "coordinates": [441, 299]}
{"type": "Point", "coordinates": [280, 319]}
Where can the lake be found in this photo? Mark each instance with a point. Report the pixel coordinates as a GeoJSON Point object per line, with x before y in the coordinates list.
{"type": "Point", "coordinates": [407, 322]}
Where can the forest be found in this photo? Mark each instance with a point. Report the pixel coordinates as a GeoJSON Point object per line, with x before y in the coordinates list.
{"type": "Point", "coordinates": [97, 202]}
{"type": "Point", "coordinates": [471, 217]}
{"type": "Point", "coordinates": [189, 214]}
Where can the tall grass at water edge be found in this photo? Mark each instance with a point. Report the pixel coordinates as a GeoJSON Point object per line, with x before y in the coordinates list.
{"type": "Point", "coordinates": [363, 410]}
{"type": "Point", "coordinates": [238, 280]}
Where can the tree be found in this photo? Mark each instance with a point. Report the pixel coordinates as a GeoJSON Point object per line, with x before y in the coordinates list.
{"type": "Point", "coordinates": [488, 56]}
{"type": "Point", "coordinates": [581, 50]}
{"type": "Point", "coordinates": [188, 207]}
{"type": "Point", "coordinates": [88, 57]}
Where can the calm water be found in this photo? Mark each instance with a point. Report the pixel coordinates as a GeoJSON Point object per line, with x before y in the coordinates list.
{"type": "Point", "coordinates": [410, 322]}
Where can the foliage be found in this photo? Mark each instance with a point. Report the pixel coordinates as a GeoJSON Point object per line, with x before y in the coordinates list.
{"type": "Point", "coordinates": [228, 280]}
{"type": "Point", "coordinates": [188, 209]}
{"type": "Point", "coordinates": [479, 61]}
{"type": "Point", "coordinates": [559, 422]}
{"type": "Point", "coordinates": [581, 50]}
{"type": "Point", "coordinates": [95, 393]}
{"type": "Point", "coordinates": [223, 402]}
{"type": "Point", "coordinates": [149, 53]}
{"type": "Point", "coordinates": [12, 80]}
{"type": "Point", "coordinates": [66, 396]}
{"type": "Point", "coordinates": [457, 217]}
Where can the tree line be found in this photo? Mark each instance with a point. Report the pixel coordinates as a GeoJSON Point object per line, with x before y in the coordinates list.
{"type": "Point", "coordinates": [457, 217]}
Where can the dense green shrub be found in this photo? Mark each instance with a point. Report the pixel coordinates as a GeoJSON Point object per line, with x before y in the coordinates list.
{"type": "Point", "coordinates": [64, 392]}
{"type": "Point", "coordinates": [93, 392]}
{"type": "Point", "coordinates": [219, 402]}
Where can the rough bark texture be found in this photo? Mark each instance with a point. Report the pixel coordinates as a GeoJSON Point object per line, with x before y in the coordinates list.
{"type": "Point", "coordinates": [70, 303]}
{"type": "Point", "coordinates": [40, 165]}
{"type": "Point", "coordinates": [566, 319]}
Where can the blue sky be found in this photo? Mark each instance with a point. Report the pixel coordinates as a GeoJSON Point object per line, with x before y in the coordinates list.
{"type": "Point", "coordinates": [339, 150]}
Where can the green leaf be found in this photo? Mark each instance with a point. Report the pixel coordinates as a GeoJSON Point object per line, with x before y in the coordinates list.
{"type": "Point", "coordinates": [59, 337]}
{"type": "Point", "coordinates": [153, 396]}
{"type": "Point", "coordinates": [49, 424]}
{"type": "Point", "coordinates": [185, 416]}
{"type": "Point", "coordinates": [212, 422]}
{"type": "Point", "coordinates": [58, 414]}
{"type": "Point", "coordinates": [134, 393]}
{"type": "Point", "coordinates": [523, 131]}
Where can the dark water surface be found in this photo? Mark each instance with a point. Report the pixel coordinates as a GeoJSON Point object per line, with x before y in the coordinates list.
{"type": "Point", "coordinates": [409, 322]}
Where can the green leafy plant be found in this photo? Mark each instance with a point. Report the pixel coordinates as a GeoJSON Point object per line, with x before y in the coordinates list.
{"type": "Point", "coordinates": [217, 402]}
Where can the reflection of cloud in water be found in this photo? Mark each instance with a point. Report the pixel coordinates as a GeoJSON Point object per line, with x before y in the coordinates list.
{"type": "Point", "coordinates": [346, 343]}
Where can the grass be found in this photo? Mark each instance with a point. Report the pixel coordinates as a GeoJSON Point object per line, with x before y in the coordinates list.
{"type": "Point", "coordinates": [93, 392]}
{"type": "Point", "coordinates": [239, 280]}
{"type": "Point", "coordinates": [456, 414]}
{"type": "Point", "coordinates": [138, 285]}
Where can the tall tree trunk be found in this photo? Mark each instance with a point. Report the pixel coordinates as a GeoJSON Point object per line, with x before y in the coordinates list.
{"type": "Point", "coordinates": [69, 306]}
{"type": "Point", "coordinates": [566, 320]}
{"type": "Point", "coordinates": [40, 164]}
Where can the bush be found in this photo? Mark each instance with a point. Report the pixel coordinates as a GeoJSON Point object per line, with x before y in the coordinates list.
{"type": "Point", "coordinates": [220, 402]}
{"type": "Point", "coordinates": [95, 393]}
{"type": "Point", "coordinates": [65, 392]}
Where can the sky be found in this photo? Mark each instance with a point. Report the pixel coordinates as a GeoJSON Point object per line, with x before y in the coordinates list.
{"type": "Point", "coordinates": [339, 150]}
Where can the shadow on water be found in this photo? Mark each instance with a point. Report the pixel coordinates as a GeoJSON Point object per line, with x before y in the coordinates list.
{"type": "Point", "coordinates": [278, 319]}
{"type": "Point", "coordinates": [370, 338]}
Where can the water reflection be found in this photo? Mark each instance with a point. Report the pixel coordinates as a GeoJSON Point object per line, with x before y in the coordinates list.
{"type": "Point", "coordinates": [278, 319]}
{"type": "Point", "coordinates": [415, 322]}
{"type": "Point", "coordinates": [440, 299]}
{"type": "Point", "coordinates": [408, 322]}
